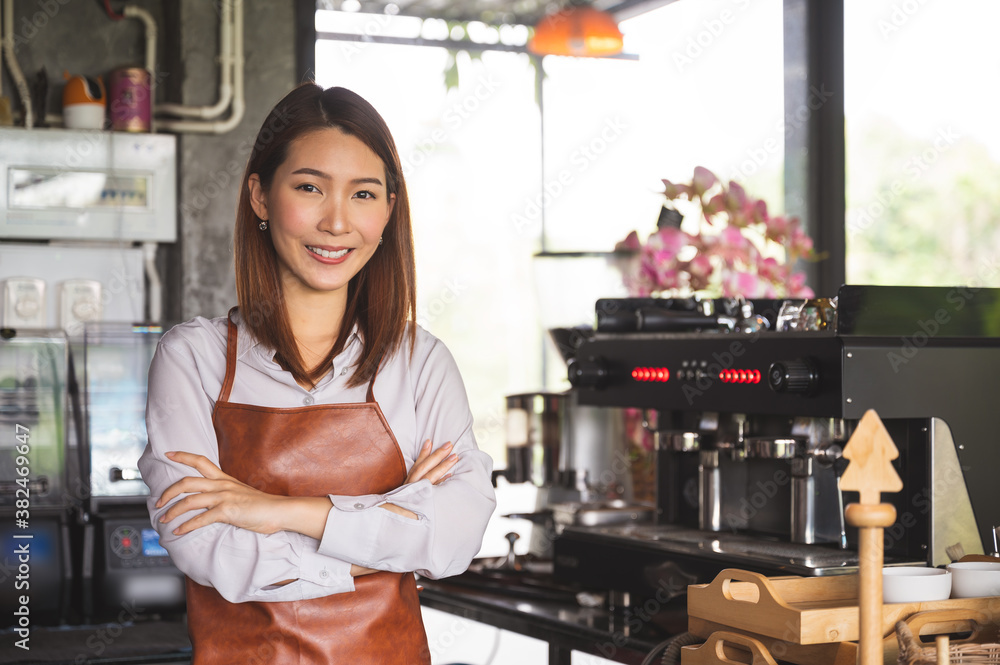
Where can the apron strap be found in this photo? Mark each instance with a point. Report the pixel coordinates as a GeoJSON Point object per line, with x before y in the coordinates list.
{"type": "Point", "coordinates": [227, 384]}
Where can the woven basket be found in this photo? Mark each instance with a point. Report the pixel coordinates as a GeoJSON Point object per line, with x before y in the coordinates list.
{"type": "Point", "coordinates": [911, 652]}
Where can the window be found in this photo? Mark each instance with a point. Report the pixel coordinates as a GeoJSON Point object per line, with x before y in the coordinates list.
{"type": "Point", "coordinates": [468, 154]}
{"type": "Point", "coordinates": [923, 152]}
{"type": "Point", "coordinates": [705, 89]}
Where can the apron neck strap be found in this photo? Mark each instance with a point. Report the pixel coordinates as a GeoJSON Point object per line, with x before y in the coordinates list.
{"type": "Point", "coordinates": [227, 384]}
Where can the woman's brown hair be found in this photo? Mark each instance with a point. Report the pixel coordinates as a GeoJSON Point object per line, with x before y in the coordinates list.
{"type": "Point", "coordinates": [381, 298]}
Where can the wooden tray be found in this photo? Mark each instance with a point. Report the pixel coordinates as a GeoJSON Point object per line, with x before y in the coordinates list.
{"type": "Point", "coordinates": [805, 610]}
{"type": "Point", "coordinates": [846, 653]}
{"type": "Point", "coordinates": [723, 647]}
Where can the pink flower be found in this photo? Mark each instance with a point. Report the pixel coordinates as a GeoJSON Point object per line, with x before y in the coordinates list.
{"type": "Point", "coordinates": [702, 181]}
{"type": "Point", "coordinates": [797, 286]}
{"type": "Point", "coordinates": [769, 269]}
{"type": "Point", "coordinates": [672, 191]}
{"type": "Point", "coordinates": [800, 243]}
{"type": "Point", "coordinates": [670, 239]}
{"type": "Point", "coordinates": [668, 279]}
{"type": "Point", "coordinates": [734, 247]}
{"type": "Point", "coordinates": [733, 237]}
{"type": "Point", "coordinates": [758, 212]}
{"type": "Point", "coordinates": [630, 243]}
{"type": "Point", "coordinates": [713, 206]}
{"type": "Point", "coordinates": [737, 248]}
{"type": "Point", "coordinates": [700, 266]}
{"type": "Point", "coordinates": [744, 284]}
{"type": "Point", "coordinates": [736, 198]}
{"type": "Point", "coordinates": [779, 227]}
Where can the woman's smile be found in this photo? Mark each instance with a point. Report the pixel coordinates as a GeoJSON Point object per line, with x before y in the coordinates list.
{"type": "Point", "coordinates": [333, 255]}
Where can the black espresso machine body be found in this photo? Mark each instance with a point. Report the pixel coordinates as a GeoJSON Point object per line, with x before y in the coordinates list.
{"type": "Point", "coordinates": [750, 429]}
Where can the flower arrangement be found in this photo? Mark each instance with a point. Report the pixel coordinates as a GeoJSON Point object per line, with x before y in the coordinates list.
{"type": "Point", "coordinates": [731, 248]}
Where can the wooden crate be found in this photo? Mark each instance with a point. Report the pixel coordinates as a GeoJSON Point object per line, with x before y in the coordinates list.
{"type": "Point", "coordinates": [726, 648]}
{"type": "Point", "coordinates": [846, 653]}
{"type": "Point", "coordinates": [805, 610]}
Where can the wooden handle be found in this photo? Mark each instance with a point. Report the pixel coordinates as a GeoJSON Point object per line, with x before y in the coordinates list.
{"type": "Point", "coordinates": [976, 619]}
{"type": "Point", "coordinates": [713, 650]}
{"type": "Point", "coordinates": [943, 650]}
{"type": "Point", "coordinates": [765, 597]}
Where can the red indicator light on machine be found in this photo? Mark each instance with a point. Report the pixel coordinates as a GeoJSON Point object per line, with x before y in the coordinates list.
{"type": "Point", "coordinates": [740, 376]}
{"type": "Point", "coordinates": [659, 374]}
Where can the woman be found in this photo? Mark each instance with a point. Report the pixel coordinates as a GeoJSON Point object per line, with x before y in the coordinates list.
{"type": "Point", "coordinates": [290, 463]}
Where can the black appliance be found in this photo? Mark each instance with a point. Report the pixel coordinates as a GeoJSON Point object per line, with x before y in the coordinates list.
{"type": "Point", "coordinates": [750, 427]}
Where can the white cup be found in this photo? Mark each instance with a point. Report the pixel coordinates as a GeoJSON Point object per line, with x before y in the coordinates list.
{"type": "Point", "coordinates": [912, 584]}
{"type": "Point", "coordinates": [974, 579]}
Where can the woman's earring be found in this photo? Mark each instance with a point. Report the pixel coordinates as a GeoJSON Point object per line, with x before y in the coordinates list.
{"type": "Point", "coordinates": [380, 240]}
{"type": "Point", "coordinates": [263, 225]}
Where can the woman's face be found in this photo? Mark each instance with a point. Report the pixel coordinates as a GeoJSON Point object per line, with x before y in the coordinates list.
{"type": "Point", "coordinates": [326, 209]}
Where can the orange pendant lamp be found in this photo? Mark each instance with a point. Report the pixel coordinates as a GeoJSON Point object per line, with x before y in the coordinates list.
{"type": "Point", "coordinates": [578, 30]}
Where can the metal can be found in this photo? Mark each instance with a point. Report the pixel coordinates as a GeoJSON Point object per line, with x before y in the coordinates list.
{"type": "Point", "coordinates": [129, 103]}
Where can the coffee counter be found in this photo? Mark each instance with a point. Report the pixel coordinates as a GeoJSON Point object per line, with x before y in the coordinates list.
{"type": "Point", "coordinates": [564, 625]}
{"type": "Point", "coordinates": [140, 643]}
{"type": "Point", "coordinates": [624, 637]}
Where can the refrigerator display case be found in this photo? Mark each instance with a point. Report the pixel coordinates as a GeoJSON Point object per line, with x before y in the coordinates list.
{"type": "Point", "coordinates": [35, 505]}
{"type": "Point", "coordinates": [123, 562]}
{"type": "Point", "coordinates": [116, 359]}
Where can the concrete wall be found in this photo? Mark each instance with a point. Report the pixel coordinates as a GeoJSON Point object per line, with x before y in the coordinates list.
{"type": "Point", "coordinates": [213, 165]}
{"type": "Point", "coordinates": [77, 36]}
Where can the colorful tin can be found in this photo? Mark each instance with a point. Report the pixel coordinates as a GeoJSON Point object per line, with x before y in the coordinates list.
{"type": "Point", "coordinates": [129, 103]}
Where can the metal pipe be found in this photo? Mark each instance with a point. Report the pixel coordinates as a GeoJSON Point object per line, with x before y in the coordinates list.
{"type": "Point", "coordinates": [13, 66]}
{"type": "Point", "coordinates": [155, 290]}
{"type": "Point", "coordinates": [226, 61]}
{"type": "Point", "coordinates": [238, 103]}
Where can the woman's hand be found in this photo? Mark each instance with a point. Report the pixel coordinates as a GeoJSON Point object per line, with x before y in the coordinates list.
{"type": "Point", "coordinates": [434, 466]}
{"type": "Point", "coordinates": [227, 500]}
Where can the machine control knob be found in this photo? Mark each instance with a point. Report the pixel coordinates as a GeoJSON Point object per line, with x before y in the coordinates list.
{"type": "Point", "coordinates": [590, 373]}
{"type": "Point", "coordinates": [793, 376]}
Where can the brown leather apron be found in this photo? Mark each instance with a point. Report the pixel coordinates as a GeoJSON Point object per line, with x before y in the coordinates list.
{"type": "Point", "coordinates": [345, 449]}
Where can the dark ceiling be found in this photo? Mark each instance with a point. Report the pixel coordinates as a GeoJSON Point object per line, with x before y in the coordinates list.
{"type": "Point", "coordinates": [523, 12]}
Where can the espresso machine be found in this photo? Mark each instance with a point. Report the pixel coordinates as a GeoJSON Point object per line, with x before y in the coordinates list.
{"type": "Point", "coordinates": [750, 425]}
{"type": "Point", "coordinates": [567, 452]}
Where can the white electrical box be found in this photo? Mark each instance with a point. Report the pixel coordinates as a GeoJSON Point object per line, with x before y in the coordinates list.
{"type": "Point", "coordinates": [61, 184]}
{"type": "Point", "coordinates": [63, 286]}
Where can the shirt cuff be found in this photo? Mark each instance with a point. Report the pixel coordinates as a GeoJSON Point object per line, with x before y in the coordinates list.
{"type": "Point", "coordinates": [406, 496]}
{"type": "Point", "coordinates": [353, 504]}
{"type": "Point", "coordinates": [357, 530]}
{"type": "Point", "coordinates": [326, 572]}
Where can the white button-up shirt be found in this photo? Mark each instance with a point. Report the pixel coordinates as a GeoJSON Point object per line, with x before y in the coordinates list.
{"type": "Point", "coordinates": [422, 397]}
